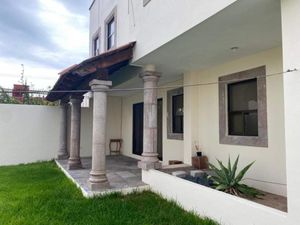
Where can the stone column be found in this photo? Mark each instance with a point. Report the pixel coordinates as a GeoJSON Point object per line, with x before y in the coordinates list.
{"type": "Point", "coordinates": [62, 151]}
{"type": "Point", "coordinates": [150, 157]}
{"type": "Point", "coordinates": [98, 174]}
{"type": "Point", "coordinates": [74, 159]}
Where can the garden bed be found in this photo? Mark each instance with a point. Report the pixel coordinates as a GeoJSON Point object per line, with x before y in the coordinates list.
{"type": "Point", "coordinates": [268, 199]}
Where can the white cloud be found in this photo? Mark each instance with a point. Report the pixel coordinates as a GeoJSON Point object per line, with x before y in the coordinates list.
{"type": "Point", "coordinates": [40, 76]}
{"type": "Point", "coordinates": [68, 30]}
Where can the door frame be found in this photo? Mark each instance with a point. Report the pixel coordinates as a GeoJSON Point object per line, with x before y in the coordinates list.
{"type": "Point", "coordinates": [133, 129]}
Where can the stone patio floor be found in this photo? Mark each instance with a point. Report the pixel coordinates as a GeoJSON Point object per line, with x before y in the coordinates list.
{"type": "Point", "coordinates": [122, 173]}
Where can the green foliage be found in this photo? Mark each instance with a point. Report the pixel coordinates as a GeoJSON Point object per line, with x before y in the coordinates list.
{"type": "Point", "coordinates": [6, 99]}
{"type": "Point", "coordinates": [41, 194]}
{"type": "Point", "coordinates": [38, 101]}
{"type": "Point", "coordinates": [29, 99]}
{"type": "Point", "coordinates": [228, 180]}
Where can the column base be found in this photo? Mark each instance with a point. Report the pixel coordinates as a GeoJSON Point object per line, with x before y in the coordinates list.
{"type": "Point", "coordinates": [74, 164]}
{"type": "Point", "coordinates": [62, 157]}
{"type": "Point", "coordinates": [98, 186]}
{"type": "Point", "coordinates": [97, 181]}
{"type": "Point", "coordinates": [149, 165]}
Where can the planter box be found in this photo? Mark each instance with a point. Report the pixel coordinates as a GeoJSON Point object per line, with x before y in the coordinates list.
{"type": "Point", "coordinates": [200, 163]}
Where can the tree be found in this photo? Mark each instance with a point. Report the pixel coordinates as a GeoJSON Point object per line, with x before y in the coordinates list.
{"type": "Point", "coordinates": [6, 98]}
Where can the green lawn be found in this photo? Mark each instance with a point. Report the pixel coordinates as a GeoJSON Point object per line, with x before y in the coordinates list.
{"type": "Point", "coordinates": [40, 194]}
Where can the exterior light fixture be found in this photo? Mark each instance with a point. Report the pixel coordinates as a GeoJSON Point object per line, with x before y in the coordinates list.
{"type": "Point", "coordinates": [234, 49]}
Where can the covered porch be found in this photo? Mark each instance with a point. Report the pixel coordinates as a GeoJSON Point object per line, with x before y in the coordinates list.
{"type": "Point", "coordinates": [100, 173]}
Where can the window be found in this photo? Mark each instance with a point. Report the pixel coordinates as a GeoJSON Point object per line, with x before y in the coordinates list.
{"type": "Point", "coordinates": [111, 33]}
{"type": "Point", "coordinates": [177, 114]}
{"type": "Point", "coordinates": [243, 108]}
{"type": "Point", "coordinates": [175, 110]}
{"type": "Point", "coordinates": [96, 46]}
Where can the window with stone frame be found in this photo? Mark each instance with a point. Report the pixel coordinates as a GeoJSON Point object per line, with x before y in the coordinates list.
{"type": "Point", "coordinates": [175, 108]}
{"type": "Point", "coordinates": [243, 108]}
{"type": "Point", "coordinates": [177, 114]}
{"type": "Point", "coordinates": [96, 46]}
{"type": "Point", "coordinates": [111, 33]}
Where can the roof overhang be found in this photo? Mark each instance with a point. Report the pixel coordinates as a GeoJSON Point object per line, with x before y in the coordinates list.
{"type": "Point", "coordinates": [77, 77]}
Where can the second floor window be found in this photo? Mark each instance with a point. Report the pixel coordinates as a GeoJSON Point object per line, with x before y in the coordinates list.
{"type": "Point", "coordinates": [96, 46]}
{"type": "Point", "coordinates": [111, 33]}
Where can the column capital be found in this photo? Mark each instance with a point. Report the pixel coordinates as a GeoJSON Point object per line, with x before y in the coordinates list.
{"type": "Point", "coordinates": [148, 75]}
{"type": "Point", "coordinates": [98, 85]}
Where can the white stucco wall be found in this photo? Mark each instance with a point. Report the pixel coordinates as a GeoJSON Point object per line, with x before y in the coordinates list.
{"type": "Point", "coordinates": [291, 56]}
{"type": "Point", "coordinates": [202, 121]}
{"type": "Point", "coordinates": [207, 202]}
{"type": "Point", "coordinates": [28, 133]}
{"type": "Point", "coordinates": [172, 149]}
{"type": "Point", "coordinates": [134, 20]}
{"type": "Point", "coordinates": [114, 125]}
{"type": "Point", "coordinates": [31, 133]}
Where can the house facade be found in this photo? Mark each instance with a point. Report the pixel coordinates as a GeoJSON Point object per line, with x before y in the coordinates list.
{"type": "Point", "coordinates": [196, 48]}
{"type": "Point", "coordinates": [219, 76]}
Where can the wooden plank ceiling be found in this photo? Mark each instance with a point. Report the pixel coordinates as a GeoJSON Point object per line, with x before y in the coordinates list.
{"type": "Point", "coordinates": [77, 77]}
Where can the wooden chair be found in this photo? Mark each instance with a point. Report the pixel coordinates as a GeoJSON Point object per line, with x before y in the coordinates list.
{"type": "Point", "coordinates": [118, 143]}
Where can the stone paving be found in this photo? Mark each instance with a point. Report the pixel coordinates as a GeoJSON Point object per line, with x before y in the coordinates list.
{"type": "Point", "coordinates": [122, 173]}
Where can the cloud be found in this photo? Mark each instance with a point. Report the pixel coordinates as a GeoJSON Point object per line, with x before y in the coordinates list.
{"type": "Point", "coordinates": [50, 34]}
{"type": "Point", "coordinates": [39, 75]}
{"type": "Point", "coordinates": [69, 31]}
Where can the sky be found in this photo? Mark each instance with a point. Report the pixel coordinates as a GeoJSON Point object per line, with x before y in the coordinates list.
{"type": "Point", "coordinates": [46, 36]}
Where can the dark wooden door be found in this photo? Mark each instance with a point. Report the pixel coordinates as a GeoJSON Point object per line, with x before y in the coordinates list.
{"type": "Point", "coordinates": [138, 128]}
{"type": "Point", "coordinates": [159, 128]}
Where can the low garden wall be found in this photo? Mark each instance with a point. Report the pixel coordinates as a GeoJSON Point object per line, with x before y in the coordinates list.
{"type": "Point", "coordinates": [28, 133]}
{"type": "Point", "coordinates": [207, 202]}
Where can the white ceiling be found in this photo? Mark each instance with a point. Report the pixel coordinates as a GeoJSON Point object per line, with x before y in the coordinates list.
{"type": "Point", "coordinates": [252, 25]}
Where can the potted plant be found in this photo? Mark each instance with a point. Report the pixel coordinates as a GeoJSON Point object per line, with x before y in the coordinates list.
{"type": "Point", "coordinates": [197, 148]}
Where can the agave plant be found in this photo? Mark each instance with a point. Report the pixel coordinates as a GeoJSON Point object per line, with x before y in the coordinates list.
{"type": "Point", "coordinates": [229, 181]}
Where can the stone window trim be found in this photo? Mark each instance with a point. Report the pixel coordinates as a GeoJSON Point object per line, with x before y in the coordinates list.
{"type": "Point", "coordinates": [94, 37]}
{"type": "Point", "coordinates": [145, 2]}
{"type": "Point", "coordinates": [92, 4]}
{"type": "Point", "coordinates": [170, 134]}
{"type": "Point", "coordinates": [112, 15]}
{"type": "Point", "coordinates": [258, 141]}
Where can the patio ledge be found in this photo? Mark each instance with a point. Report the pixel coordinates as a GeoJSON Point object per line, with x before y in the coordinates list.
{"type": "Point", "coordinates": [125, 180]}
